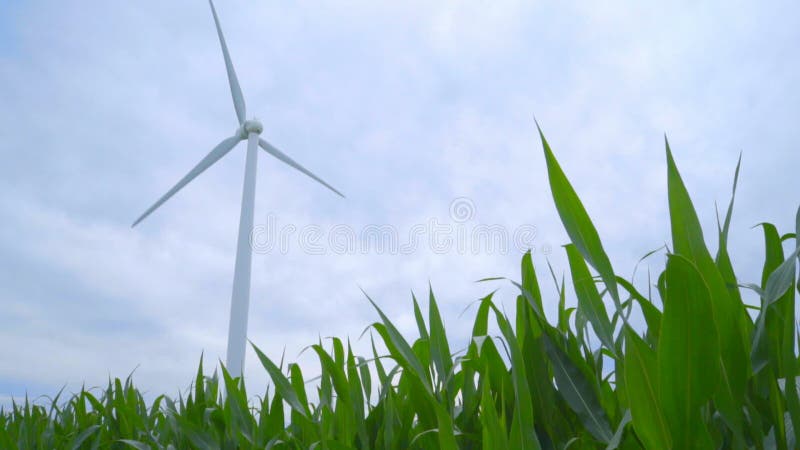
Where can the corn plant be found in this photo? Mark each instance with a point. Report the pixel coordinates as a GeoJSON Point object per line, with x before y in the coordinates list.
{"type": "Point", "coordinates": [687, 365]}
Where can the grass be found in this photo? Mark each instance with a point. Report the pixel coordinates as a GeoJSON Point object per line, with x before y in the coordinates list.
{"type": "Point", "coordinates": [701, 372]}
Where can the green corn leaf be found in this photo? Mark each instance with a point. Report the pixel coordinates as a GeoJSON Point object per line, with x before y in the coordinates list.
{"type": "Point", "coordinates": [198, 437]}
{"type": "Point", "coordinates": [480, 326]}
{"type": "Point", "coordinates": [138, 445]}
{"type": "Point", "coordinates": [652, 315]}
{"type": "Point", "coordinates": [492, 429]}
{"type": "Point", "coordinates": [407, 358]}
{"type": "Point", "coordinates": [402, 351]}
{"type": "Point", "coordinates": [356, 396]}
{"type": "Point", "coordinates": [765, 337]}
{"type": "Point", "coordinates": [790, 359]}
{"type": "Point", "coordinates": [76, 442]}
{"type": "Point", "coordinates": [236, 403]}
{"type": "Point", "coordinates": [445, 433]}
{"type": "Point", "coordinates": [276, 419]}
{"type": "Point", "coordinates": [687, 349]}
{"type": "Point", "coordinates": [470, 396]}
{"type": "Point", "coordinates": [423, 332]}
{"type": "Point", "coordinates": [578, 392]}
{"type": "Point", "coordinates": [382, 377]}
{"type": "Point", "coordinates": [642, 384]}
{"type": "Point", "coordinates": [523, 412]}
{"type": "Point", "coordinates": [617, 438]}
{"type": "Point", "coordinates": [366, 378]}
{"type": "Point", "coordinates": [723, 258]}
{"type": "Point", "coordinates": [589, 301]}
{"type": "Point", "coordinates": [439, 347]}
{"type": "Point", "coordinates": [340, 383]}
{"type": "Point", "coordinates": [728, 312]}
{"type": "Point", "coordinates": [199, 384]}
{"type": "Point", "coordinates": [543, 395]}
{"type": "Point", "coordinates": [282, 384]}
{"type": "Point", "coordinates": [529, 280]}
{"type": "Point", "coordinates": [780, 280]}
{"type": "Point", "coordinates": [576, 221]}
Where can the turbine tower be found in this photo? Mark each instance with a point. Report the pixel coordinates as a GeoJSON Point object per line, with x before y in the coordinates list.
{"type": "Point", "coordinates": [249, 130]}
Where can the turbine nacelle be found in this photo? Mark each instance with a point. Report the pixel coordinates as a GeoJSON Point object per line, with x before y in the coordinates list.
{"type": "Point", "coordinates": [249, 126]}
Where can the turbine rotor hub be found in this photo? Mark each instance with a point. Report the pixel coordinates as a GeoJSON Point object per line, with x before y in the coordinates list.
{"type": "Point", "coordinates": [250, 126]}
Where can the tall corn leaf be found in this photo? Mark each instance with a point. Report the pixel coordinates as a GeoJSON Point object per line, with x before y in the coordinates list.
{"type": "Point", "coordinates": [687, 240]}
{"type": "Point", "coordinates": [789, 357]}
{"type": "Point", "coordinates": [543, 393]}
{"type": "Point", "coordinates": [440, 349]}
{"type": "Point", "coordinates": [493, 431]}
{"type": "Point", "coordinates": [723, 258]}
{"type": "Point", "coordinates": [616, 440]}
{"type": "Point", "coordinates": [777, 285]}
{"type": "Point", "coordinates": [687, 351]}
{"type": "Point", "coordinates": [782, 278]}
{"type": "Point", "coordinates": [423, 331]}
{"type": "Point", "coordinates": [589, 301]}
{"type": "Point", "coordinates": [578, 392]}
{"type": "Point", "coordinates": [344, 412]}
{"type": "Point", "coordinates": [576, 221]}
{"type": "Point", "coordinates": [530, 282]}
{"type": "Point", "coordinates": [766, 336]}
{"type": "Point", "coordinates": [471, 398]}
{"type": "Point", "coordinates": [525, 436]}
{"type": "Point", "coordinates": [282, 384]}
{"type": "Point", "coordinates": [652, 316]}
{"type": "Point", "coordinates": [642, 384]}
{"type": "Point", "coordinates": [336, 371]}
{"type": "Point", "coordinates": [409, 360]}
{"type": "Point", "coordinates": [356, 395]}
{"type": "Point", "coordinates": [400, 349]}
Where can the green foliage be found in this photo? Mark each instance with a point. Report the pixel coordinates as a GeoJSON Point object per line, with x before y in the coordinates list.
{"type": "Point", "coordinates": [700, 372]}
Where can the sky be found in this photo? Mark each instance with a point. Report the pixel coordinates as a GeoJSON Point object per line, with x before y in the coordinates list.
{"type": "Point", "coordinates": [421, 113]}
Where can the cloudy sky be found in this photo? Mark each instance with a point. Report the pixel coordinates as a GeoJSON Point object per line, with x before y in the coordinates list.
{"type": "Point", "coordinates": [420, 112]}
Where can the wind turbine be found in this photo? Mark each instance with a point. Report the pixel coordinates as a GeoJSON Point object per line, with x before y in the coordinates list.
{"type": "Point", "coordinates": [248, 130]}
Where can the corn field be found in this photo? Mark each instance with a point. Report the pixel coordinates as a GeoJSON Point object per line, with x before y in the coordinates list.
{"type": "Point", "coordinates": [699, 368]}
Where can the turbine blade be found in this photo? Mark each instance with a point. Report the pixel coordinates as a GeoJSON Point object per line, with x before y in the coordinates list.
{"type": "Point", "coordinates": [218, 152]}
{"type": "Point", "coordinates": [282, 156]}
{"type": "Point", "coordinates": [236, 91]}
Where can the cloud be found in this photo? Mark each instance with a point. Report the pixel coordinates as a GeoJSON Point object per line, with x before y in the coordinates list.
{"type": "Point", "coordinates": [402, 107]}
